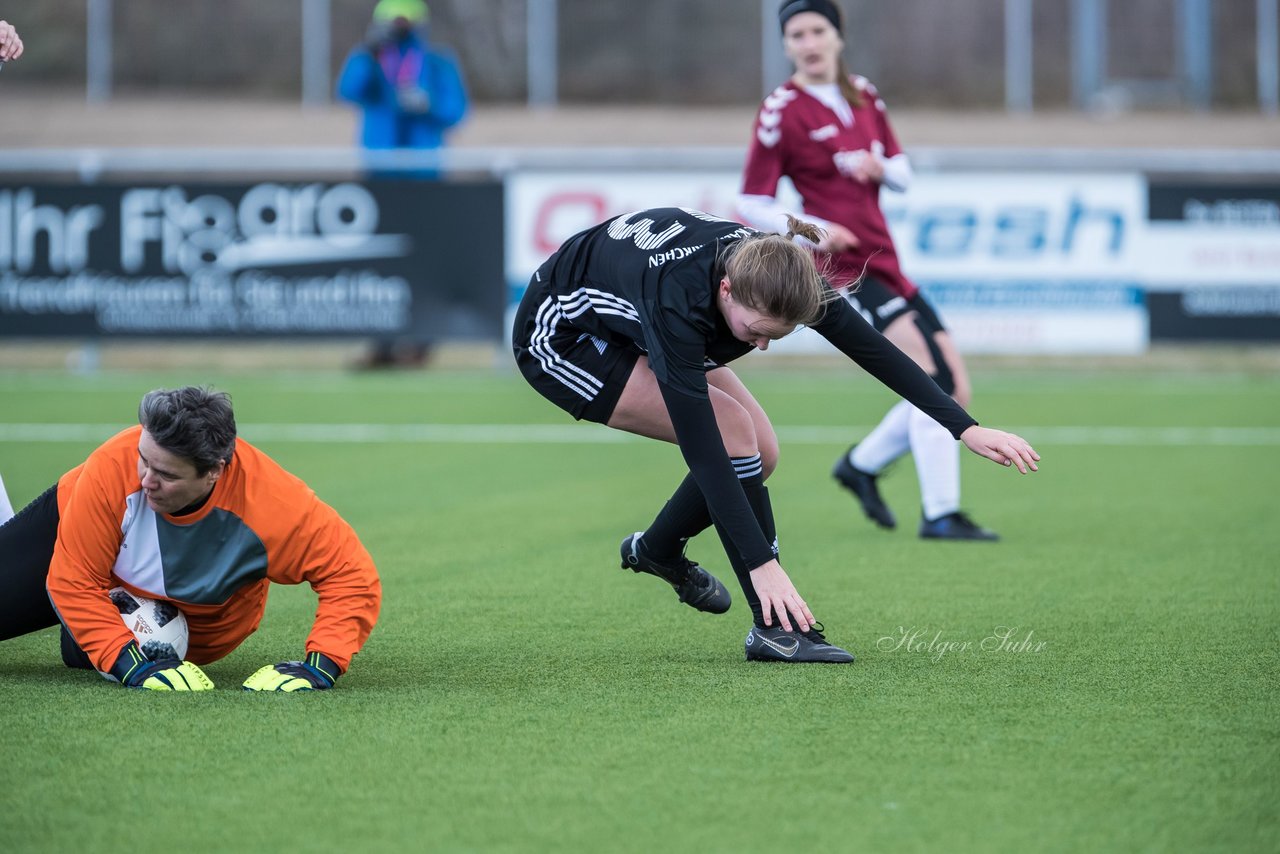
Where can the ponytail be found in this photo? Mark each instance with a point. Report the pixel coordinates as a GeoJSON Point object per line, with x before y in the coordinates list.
{"type": "Point", "coordinates": [801, 228]}
{"type": "Point", "coordinates": [850, 92]}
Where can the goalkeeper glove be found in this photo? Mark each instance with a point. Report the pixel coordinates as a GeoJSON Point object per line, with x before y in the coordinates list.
{"type": "Point", "coordinates": [317, 673]}
{"type": "Point", "coordinates": [134, 670]}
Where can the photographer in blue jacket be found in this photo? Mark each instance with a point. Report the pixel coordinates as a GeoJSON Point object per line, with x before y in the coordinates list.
{"type": "Point", "coordinates": [410, 92]}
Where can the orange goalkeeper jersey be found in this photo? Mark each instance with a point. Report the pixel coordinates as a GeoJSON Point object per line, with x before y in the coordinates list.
{"type": "Point", "coordinates": [261, 524]}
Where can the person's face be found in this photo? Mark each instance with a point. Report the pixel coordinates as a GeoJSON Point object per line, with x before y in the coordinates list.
{"type": "Point", "coordinates": [400, 28]}
{"type": "Point", "coordinates": [169, 481]}
{"type": "Point", "coordinates": [813, 45]}
{"type": "Point", "coordinates": [748, 325]}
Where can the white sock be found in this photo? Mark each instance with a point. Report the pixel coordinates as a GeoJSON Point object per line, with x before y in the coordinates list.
{"type": "Point", "coordinates": [888, 441]}
{"type": "Point", "coordinates": [937, 465]}
{"type": "Point", "coordinates": [6, 509]}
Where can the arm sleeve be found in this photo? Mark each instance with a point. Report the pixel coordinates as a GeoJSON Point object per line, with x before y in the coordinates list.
{"type": "Point", "coordinates": [682, 380]}
{"type": "Point", "coordinates": [343, 575]}
{"type": "Point", "coordinates": [897, 173]}
{"type": "Point", "coordinates": [897, 167]}
{"type": "Point", "coordinates": [699, 438]}
{"type": "Point", "coordinates": [764, 164]}
{"type": "Point", "coordinates": [358, 81]}
{"type": "Point", "coordinates": [854, 337]}
{"type": "Point", "coordinates": [884, 130]}
{"type": "Point", "coordinates": [88, 543]}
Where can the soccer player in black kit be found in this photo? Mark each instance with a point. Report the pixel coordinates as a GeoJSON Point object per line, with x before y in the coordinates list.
{"type": "Point", "coordinates": [631, 323]}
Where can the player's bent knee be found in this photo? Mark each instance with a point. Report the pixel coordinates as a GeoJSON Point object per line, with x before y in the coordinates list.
{"type": "Point", "coordinates": [737, 430]}
{"type": "Point", "coordinates": [768, 455]}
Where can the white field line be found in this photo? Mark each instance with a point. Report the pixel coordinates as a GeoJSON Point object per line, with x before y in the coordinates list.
{"type": "Point", "coordinates": [590, 434]}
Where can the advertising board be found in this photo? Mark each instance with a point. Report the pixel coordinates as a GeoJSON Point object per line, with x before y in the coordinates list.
{"type": "Point", "coordinates": [1022, 263]}
{"type": "Point", "coordinates": [273, 259]}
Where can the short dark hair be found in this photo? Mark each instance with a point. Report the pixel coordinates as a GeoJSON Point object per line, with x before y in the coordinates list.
{"type": "Point", "coordinates": [195, 423]}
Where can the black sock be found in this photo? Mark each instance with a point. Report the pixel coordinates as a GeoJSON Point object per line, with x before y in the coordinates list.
{"type": "Point", "coordinates": [744, 577]}
{"type": "Point", "coordinates": [751, 476]}
{"type": "Point", "coordinates": [683, 517]}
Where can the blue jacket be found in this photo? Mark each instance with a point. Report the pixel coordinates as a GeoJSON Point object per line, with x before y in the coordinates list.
{"type": "Point", "coordinates": [364, 81]}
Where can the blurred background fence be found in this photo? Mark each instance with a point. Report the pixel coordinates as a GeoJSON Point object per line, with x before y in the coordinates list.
{"type": "Point", "coordinates": [163, 209]}
{"type": "Point", "coordinates": [940, 53]}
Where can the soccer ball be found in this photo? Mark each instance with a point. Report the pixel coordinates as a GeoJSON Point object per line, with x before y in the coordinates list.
{"type": "Point", "coordinates": [160, 628]}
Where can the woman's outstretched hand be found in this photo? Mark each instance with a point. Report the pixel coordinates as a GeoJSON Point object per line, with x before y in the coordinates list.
{"type": "Point", "coordinates": [1007, 449]}
{"type": "Point", "coordinates": [778, 596]}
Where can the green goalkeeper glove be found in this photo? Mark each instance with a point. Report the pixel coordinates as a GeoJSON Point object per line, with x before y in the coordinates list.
{"type": "Point", "coordinates": [317, 673]}
{"type": "Point", "coordinates": [134, 670]}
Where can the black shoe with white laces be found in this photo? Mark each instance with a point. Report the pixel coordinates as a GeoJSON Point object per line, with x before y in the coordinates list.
{"type": "Point", "coordinates": [696, 587]}
{"type": "Point", "coordinates": [863, 486]}
{"type": "Point", "coordinates": [777, 644]}
{"type": "Point", "coordinates": [955, 526]}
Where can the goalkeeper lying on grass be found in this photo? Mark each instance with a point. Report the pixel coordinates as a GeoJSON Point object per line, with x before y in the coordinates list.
{"type": "Point", "coordinates": [179, 509]}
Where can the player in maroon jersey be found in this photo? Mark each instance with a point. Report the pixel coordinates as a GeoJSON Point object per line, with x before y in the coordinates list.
{"type": "Point", "coordinates": [828, 131]}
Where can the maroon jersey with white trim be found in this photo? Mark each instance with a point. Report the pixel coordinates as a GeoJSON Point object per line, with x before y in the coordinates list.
{"type": "Point", "coordinates": [798, 136]}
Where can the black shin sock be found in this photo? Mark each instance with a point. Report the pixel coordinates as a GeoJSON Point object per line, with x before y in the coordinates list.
{"type": "Point", "coordinates": [744, 577]}
{"type": "Point", "coordinates": [758, 497]}
{"type": "Point", "coordinates": [683, 517]}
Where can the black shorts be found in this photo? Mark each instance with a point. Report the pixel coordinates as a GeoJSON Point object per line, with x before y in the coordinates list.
{"type": "Point", "coordinates": [578, 372]}
{"type": "Point", "coordinates": [881, 306]}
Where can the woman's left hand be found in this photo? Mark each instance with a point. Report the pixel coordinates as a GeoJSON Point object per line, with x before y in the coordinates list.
{"type": "Point", "coordinates": [869, 169]}
{"type": "Point", "coordinates": [10, 44]}
{"type": "Point", "coordinates": [838, 238]}
{"type": "Point", "coordinates": [1001, 447]}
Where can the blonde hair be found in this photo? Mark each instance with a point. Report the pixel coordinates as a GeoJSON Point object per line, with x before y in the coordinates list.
{"type": "Point", "coordinates": [775, 276]}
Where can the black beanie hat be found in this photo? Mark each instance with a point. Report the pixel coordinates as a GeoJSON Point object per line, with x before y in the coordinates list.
{"type": "Point", "coordinates": [825, 8]}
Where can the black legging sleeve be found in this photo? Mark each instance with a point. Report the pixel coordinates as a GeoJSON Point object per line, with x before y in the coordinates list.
{"type": "Point", "coordinates": [856, 338]}
{"type": "Point", "coordinates": [699, 438]}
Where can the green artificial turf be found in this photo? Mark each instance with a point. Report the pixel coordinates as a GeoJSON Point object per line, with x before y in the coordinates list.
{"type": "Point", "coordinates": [521, 693]}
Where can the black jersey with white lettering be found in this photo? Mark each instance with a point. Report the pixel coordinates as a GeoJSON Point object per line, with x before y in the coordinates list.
{"type": "Point", "coordinates": [648, 280]}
